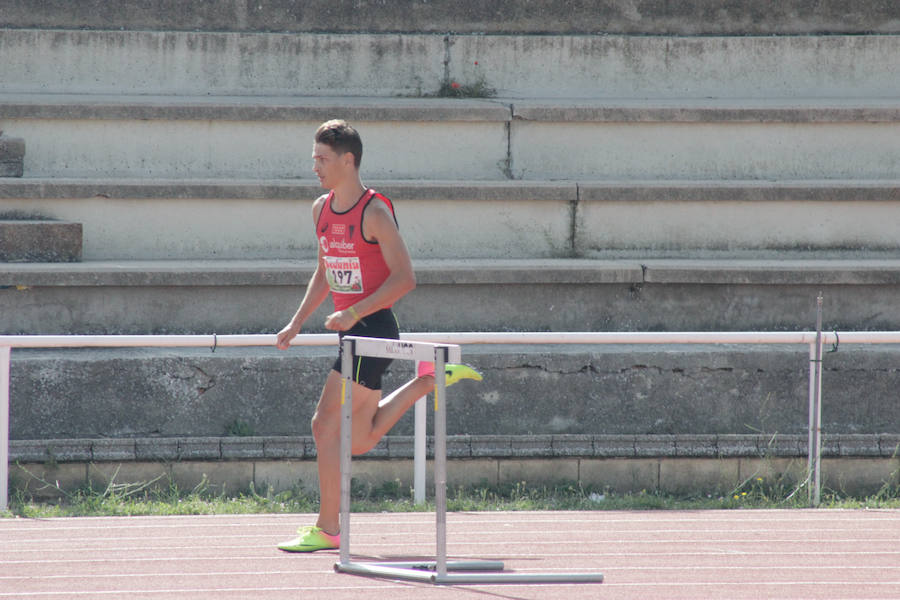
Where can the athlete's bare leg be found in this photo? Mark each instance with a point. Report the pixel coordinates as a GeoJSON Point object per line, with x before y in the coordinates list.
{"type": "Point", "coordinates": [373, 417]}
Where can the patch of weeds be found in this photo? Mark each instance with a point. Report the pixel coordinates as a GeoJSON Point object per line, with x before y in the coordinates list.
{"type": "Point", "coordinates": [238, 428]}
{"type": "Point", "coordinates": [164, 497]}
{"type": "Point", "coordinates": [477, 89]}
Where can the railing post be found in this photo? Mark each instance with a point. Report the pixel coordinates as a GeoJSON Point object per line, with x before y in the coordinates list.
{"type": "Point", "coordinates": [5, 352]}
{"type": "Point", "coordinates": [814, 474]}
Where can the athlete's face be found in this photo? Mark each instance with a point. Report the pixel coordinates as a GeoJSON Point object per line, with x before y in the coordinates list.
{"type": "Point", "coordinates": [329, 166]}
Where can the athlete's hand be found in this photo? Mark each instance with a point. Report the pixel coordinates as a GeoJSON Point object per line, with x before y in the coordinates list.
{"type": "Point", "coordinates": [341, 320]}
{"type": "Point", "coordinates": [284, 337]}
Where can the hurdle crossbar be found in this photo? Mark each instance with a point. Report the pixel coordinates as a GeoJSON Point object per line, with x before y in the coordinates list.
{"type": "Point", "coordinates": [439, 571]}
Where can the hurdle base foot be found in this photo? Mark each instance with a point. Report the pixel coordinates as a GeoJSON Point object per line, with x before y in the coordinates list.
{"type": "Point", "coordinates": [460, 573]}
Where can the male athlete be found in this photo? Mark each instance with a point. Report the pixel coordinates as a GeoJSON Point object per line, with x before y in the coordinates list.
{"type": "Point", "coordinates": [365, 265]}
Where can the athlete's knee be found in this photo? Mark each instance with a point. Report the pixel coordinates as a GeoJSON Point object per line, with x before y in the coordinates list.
{"type": "Point", "coordinates": [364, 446]}
{"type": "Point", "coordinates": [324, 424]}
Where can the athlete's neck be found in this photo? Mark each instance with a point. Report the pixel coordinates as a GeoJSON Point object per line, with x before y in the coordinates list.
{"type": "Point", "coordinates": [347, 194]}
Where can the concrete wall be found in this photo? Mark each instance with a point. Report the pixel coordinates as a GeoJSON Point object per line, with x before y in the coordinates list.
{"type": "Point", "coordinates": [688, 17]}
{"type": "Point", "coordinates": [568, 390]}
{"type": "Point", "coordinates": [334, 64]}
{"type": "Point", "coordinates": [691, 476]}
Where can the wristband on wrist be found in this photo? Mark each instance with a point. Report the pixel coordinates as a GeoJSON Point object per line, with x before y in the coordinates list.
{"type": "Point", "coordinates": [353, 313]}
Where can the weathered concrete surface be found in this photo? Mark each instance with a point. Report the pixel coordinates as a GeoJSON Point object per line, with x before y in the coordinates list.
{"type": "Point", "coordinates": [398, 447]}
{"type": "Point", "coordinates": [732, 219]}
{"type": "Point", "coordinates": [265, 138]}
{"type": "Point", "coordinates": [12, 153]}
{"type": "Point", "coordinates": [689, 17]}
{"type": "Point", "coordinates": [704, 151]}
{"type": "Point", "coordinates": [220, 63]}
{"type": "Point", "coordinates": [701, 110]}
{"type": "Point", "coordinates": [39, 241]}
{"type": "Point", "coordinates": [857, 476]}
{"type": "Point", "coordinates": [372, 108]}
{"type": "Point", "coordinates": [141, 219]}
{"type": "Point", "coordinates": [146, 220]}
{"type": "Point", "coordinates": [527, 390]}
{"type": "Point", "coordinates": [416, 64]}
{"type": "Point", "coordinates": [524, 295]}
{"type": "Point", "coordinates": [290, 108]}
{"type": "Point", "coordinates": [653, 67]}
{"type": "Point", "coordinates": [255, 150]}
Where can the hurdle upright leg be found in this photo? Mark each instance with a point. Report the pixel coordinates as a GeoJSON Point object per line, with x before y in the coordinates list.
{"type": "Point", "coordinates": [346, 445]}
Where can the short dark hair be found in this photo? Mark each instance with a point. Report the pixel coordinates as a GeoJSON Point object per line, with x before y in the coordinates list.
{"type": "Point", "coordinates": [341, 137]}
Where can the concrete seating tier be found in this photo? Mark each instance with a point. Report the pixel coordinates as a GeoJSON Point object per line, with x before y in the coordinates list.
{"type": "Point", "coordinates": [452, 295]}
{"type": "Point", "coordinates": [12, 152]}
{"type": "Point", "coordinates": [157, 219]}
{"type": "Point", "coordinates": [86, 136]}
{"type": "Point", "coordinates": [27, 240]}
{"type": "Point", "coordinates": [418, 63]}
{"type": "Point", "coordinates": [689, 17]}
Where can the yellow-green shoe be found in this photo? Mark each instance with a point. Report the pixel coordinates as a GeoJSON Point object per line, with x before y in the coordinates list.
{"type": "Point", "coordinates": [456, 373]}
{"type": "Point", "coordinates": [310, 539]}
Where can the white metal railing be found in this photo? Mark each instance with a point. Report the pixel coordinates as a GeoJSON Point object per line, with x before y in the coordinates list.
{"type": "Point", "coordinates": [815, 341]}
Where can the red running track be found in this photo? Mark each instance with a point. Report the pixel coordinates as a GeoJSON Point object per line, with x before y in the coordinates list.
{"type": "Point", "coordinates": [733, 555]}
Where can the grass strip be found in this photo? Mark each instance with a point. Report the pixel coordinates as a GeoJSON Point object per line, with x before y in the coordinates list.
{"type": "Point", "coordinates": [166, 498]}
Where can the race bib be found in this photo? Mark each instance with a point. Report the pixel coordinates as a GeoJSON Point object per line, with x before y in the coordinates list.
{"type": "Point", "coordinates": [343, 274]}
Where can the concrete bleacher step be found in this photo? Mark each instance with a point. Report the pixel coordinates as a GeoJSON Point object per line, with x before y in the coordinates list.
{"type": "Point", "coordinates": [12, 153]}
{"type": "Point", "coordinates": [691, 17]}
{"type": "Point", "coordinates": [459, 295]}
{"type": "Point", "coordinates": [413, 64]}
{"type": "Point", "coordinates": [265, 137]}
{"type": "Point", "coordinates": [29, 240]}
{"type": "Point", "coordinates": [141, 219]}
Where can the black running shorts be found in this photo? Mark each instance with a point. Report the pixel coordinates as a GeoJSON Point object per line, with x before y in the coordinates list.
{"type": "Point", "coordinates": [367, 370]}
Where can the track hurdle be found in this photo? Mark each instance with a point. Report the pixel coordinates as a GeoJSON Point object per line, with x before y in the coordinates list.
{"type": "Point", "coordinates": [437, 571]}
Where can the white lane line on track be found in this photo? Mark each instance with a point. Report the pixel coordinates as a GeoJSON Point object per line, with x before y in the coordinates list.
{"type": "Point", "coordinates": [668, 585]}
{"type": "Point", "coordinates": [179, 559]}
{"type": "Point", "coordinates": [509, 530]}
{"type": "Point", "coordinates": [171, 592]}
{"type": "Point", "coordinates": [620, 569]}
{"type": "Point", "coordinates": [159, 574]}
{"type": "Point", "coordinates": [70, 547]}
{"type": "Point", "coordinates": [505, 555]}
{"type": "Point", "coordinates": [453, 519]}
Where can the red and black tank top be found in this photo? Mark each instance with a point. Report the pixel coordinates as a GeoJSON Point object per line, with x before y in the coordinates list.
{"type": "Point", "coordinates": [354, 266]}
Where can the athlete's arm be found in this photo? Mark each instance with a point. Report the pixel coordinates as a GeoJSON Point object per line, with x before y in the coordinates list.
{"type": "Point", "coordinates": [379, 226]}
{"type": "Point", "coordinates": [316, 293]}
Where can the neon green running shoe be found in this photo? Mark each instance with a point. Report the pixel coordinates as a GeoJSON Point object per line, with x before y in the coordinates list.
{"type": "Point", "coordinates": [310, 539]}
{"type": "Point", "coordinates": [454, 373]}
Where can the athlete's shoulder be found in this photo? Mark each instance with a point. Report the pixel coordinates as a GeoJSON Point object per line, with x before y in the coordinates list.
{"type": "Point", "coordinates": [320, 201]}
{"type": "Point", "coordinates": [318, 204]}
{"type": "Point", "coordinates": [381, 201]}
